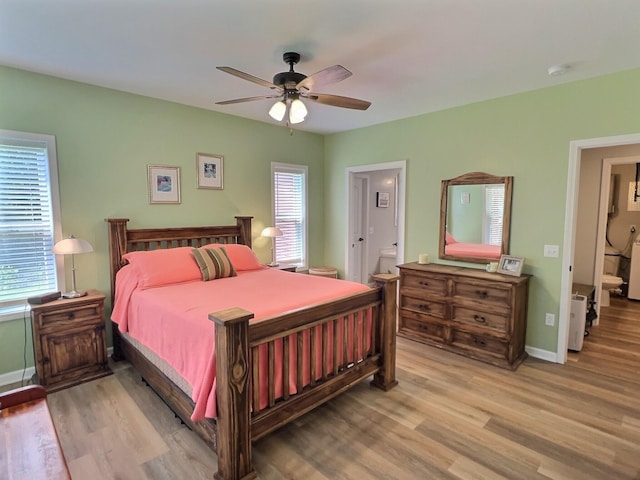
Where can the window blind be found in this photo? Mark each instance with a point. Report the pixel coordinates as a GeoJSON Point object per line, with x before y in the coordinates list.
{"type": "Point", "coordinates": [494, 213]}
{"type": "Point", "coordinates": [27, 265]}
{"type": "Point", "coordinates": [289, 194]}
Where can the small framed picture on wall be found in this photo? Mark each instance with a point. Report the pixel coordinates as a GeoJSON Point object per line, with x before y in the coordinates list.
{"type": "Point", "coordinates": [163, 184]}
{"type": "Point", "coordinates": [209, 170]}
{"type": "Point", "coordinates": [382, 199]}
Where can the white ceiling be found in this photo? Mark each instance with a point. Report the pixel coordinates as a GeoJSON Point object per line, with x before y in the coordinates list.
{"type": "Point", "coordinates": [408, 57]}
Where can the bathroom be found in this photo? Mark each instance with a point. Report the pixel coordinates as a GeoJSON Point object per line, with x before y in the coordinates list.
{"type": "Point", "coordinates": [608, 223]}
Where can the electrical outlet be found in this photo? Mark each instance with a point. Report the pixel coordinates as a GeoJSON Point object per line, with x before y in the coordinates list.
{"type": "Point", "coordinates": [549, 319]}
{"type": "Point", "coordinates": [551, 251]}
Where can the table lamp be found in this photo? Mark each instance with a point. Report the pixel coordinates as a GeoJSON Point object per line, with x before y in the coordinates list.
{"type": "Point", "coordinates": [272, 232]}
{"type": "Point", "coordinates": [71, 246]}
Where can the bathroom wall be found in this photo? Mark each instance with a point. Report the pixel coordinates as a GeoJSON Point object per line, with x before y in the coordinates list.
{"type": "Point", "coordinates": [382, 230]}
{"type": "Point", "coordinates": [619, 231]}
{"type": "Point", "coordinates": [588, 209]}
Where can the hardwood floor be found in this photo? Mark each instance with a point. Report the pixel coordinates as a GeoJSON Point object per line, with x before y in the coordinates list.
{"type": "Point", "coordinates": [449, 418]}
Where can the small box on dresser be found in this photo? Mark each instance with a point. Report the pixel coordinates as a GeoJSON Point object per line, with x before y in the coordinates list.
{"type": "Point", "coordinates": [69, 341]}
{"type": "Point", "coordinates": [465, 310]}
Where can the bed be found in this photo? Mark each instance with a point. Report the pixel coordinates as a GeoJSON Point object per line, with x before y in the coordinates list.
{"type": "Point", "coordinates": [463, 249]}
{"type": "Point", "coordinates": [318, 350]}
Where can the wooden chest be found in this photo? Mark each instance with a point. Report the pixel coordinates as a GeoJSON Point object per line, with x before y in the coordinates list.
{"type": "Point", "coordinates": [465, 310]}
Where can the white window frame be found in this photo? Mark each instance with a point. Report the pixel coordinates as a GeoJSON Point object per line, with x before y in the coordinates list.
{"type": "Point", "coordinates": [493, 214]}
{"type": "Point", "coordinates": [303, 170]}
{"type": "Point", "coordinates": [10, 310]}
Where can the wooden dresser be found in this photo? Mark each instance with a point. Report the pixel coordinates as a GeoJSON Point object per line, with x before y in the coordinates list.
{"type": "Point", "coordinates": [465, 310]}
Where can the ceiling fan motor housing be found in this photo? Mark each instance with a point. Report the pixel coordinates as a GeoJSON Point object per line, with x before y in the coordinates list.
{"type": "Point", "coordinates": [289, 79]}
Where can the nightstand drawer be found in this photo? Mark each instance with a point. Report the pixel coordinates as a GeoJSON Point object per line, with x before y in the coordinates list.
{"type": "Point", "coordinates": [91, 311]}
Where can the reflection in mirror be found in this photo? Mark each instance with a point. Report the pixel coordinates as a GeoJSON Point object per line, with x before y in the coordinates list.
{"type": "Point", "coordinates": [475, 215]}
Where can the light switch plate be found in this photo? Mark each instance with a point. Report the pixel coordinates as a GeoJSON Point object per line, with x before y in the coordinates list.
{"type": "Point", "coordinates": [551, 251]}
{"type": "Point", "coordinates": [549, 319]}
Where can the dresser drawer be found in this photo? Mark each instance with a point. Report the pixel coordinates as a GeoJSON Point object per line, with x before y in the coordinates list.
{"type": "Point", "coordinates": [433, 331]}
{"type": "Point", "coordinates": [88, 312]}
{"type": "Point", "coordinates": [479, 319]}
{"type": "Point", "coordinates": [429, 284]}
{"type": "Point", "coordinates": [485, 344]}
{"type": "Point", "coordinates": [428, 307]}
{"type": "Point", "coordinates": [488, 292]}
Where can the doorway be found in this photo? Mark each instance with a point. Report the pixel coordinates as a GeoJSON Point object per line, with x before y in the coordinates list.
{"type": "Point", "coordinates": [375, 216]}
{"type": "Point", "coordinates": [578, 150]}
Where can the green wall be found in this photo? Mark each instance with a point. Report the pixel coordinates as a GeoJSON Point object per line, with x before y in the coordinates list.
{"type": "Point", "coordinates": [105, 140]}
{"type": "Point", "coordinates": [525, 135]}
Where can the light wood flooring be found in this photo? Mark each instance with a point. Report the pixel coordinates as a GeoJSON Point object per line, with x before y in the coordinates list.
{"type": "Point", "coordinates": [449, 418]}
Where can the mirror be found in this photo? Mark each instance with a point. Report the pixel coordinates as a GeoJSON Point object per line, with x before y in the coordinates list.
{"type": "Point", "coordinates": [475, 216]}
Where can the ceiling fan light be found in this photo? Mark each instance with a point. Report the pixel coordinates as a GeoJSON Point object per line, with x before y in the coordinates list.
{"type": "Point", "coordinates": [298, 110]}
{"type": "Point", "coordinates": [278, 110]}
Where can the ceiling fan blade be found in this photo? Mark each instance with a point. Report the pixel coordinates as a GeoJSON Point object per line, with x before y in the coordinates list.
{"type": "Point", "coordinates": [338, 101]}
{"type": "Point", "coordinates": [250, 78]}
{"type": "Point", "coordinates": [248, 99]}
{"type": "Point", "coordinates": [324, 77]}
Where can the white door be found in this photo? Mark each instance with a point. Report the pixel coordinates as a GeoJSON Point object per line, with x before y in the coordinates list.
{"type": "Point", "coordinates": [357, 229]}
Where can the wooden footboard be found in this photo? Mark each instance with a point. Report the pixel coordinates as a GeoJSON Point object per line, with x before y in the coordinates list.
{"type": "Point", "coordinates": [352, 338]}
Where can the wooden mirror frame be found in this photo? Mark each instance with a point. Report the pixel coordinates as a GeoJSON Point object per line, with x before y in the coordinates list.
{"type": "Point", "coordinates": [475, 178]}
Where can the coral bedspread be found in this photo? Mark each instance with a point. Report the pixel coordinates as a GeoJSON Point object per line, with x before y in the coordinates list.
{"type": "Point", "coordinates": [473, 250]}
{"type": "Point", "coordinates": [172, 320]}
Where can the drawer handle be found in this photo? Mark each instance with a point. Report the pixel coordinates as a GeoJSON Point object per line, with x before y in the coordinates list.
{"type": "Point", "coordinates": [479, 342]}
{"type": "Point", "coordinates": [482, 293]}
{"type": "Point", "coordinates": [424, 306]}
{"type": "Point", "coordinates": [71, 316]}
{"type": "Point", "coordinates": [422, 282]}
{"type": "Point", "coordinates": [422, 326]}
{"type": "Point", "coordinates": [479, 319]}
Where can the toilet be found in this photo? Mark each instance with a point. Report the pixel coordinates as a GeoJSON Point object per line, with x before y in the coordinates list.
{"type": "Point", "coordinates": [387, 259]}
{"type": "Point", "coordinates": [610, 280]}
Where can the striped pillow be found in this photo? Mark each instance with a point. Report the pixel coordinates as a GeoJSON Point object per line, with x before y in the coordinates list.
{"type": "Point", "coordinates": [214, 263]}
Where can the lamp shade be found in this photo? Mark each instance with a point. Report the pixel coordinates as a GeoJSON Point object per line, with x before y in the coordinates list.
{"type": "Point", "coordinates": [72, 245]}
{"type": "Point", "coordinates": [271, 232]}
{"type": "Point", "coordinates": [297, 112]}
{"type": "Point", "coordinates": [278, 110]}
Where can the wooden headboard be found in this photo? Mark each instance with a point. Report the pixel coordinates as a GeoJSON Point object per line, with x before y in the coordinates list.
{"type": "Point", "coordinates": [123, 240]}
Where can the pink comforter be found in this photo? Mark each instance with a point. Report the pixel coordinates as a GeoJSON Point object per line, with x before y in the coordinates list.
{"type": "Point", "coordinates": [473, 250]}
{"type": "Point", "coordinates": [172, 320]}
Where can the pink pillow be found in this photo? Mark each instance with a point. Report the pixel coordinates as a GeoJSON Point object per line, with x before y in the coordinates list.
{"type": "Point", "coordinates": [449, 240]}
{"type": "Point", "coordinates": [241, 256]}
{"type": "Point", "coordinates": [164, 266]}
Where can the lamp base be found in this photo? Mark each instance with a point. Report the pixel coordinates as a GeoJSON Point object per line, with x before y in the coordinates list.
{"type": "Point", "coordinates": [73, 294]}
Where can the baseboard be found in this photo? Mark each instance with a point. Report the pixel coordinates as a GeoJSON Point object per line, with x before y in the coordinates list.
{"type": "Point", "coordinates": [541, 354]}
{"type": "Point", "coordinates": [17, 376]}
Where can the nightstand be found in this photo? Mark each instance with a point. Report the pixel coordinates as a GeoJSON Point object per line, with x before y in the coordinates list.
{"type": "Point", "coordinates": [287, 267]}
{"type": "Point", "coordinates": [69, 341]}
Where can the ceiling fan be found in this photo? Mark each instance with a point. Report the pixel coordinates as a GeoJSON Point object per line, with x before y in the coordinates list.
{"type": "Point", "coordinates": [291, 86]}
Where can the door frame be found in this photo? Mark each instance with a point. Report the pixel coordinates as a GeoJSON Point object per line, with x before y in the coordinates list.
{"type": "Point", "coordinates": [571, 210]}
{"type": "Point", "coordinates": [363, 169]}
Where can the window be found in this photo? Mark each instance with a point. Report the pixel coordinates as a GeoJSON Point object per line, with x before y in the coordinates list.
{"type": "Point", "coordinates": [289, 183]}
{"type": "Point", "coordinates": [494, 213]}
{"type": "Point", "coordinates": [29, 214]}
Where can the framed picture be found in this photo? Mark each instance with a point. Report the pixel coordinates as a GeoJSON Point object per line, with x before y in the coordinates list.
{"type": "Point", "coordinates": [164, 184]}
{"type": "Point", "coordinates": [510, 265]}
{"type": "Point", "coordinates": [209, 170]}
{"type": "Point", "coordinates": [382, 199]}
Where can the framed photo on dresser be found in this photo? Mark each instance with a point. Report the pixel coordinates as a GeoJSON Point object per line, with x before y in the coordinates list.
{"type": "Point", "coordinates": [511, 265]}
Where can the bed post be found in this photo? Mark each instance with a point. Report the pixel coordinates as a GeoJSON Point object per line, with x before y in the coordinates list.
{"type": "Point", "coordinates": [244, 224]}
{"type": "Point", "coordinates": [232, 394]}
{"type": "Point", "coordinates": [385, 379]}
{"type": "Point", "coordinates": [117, 248]}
